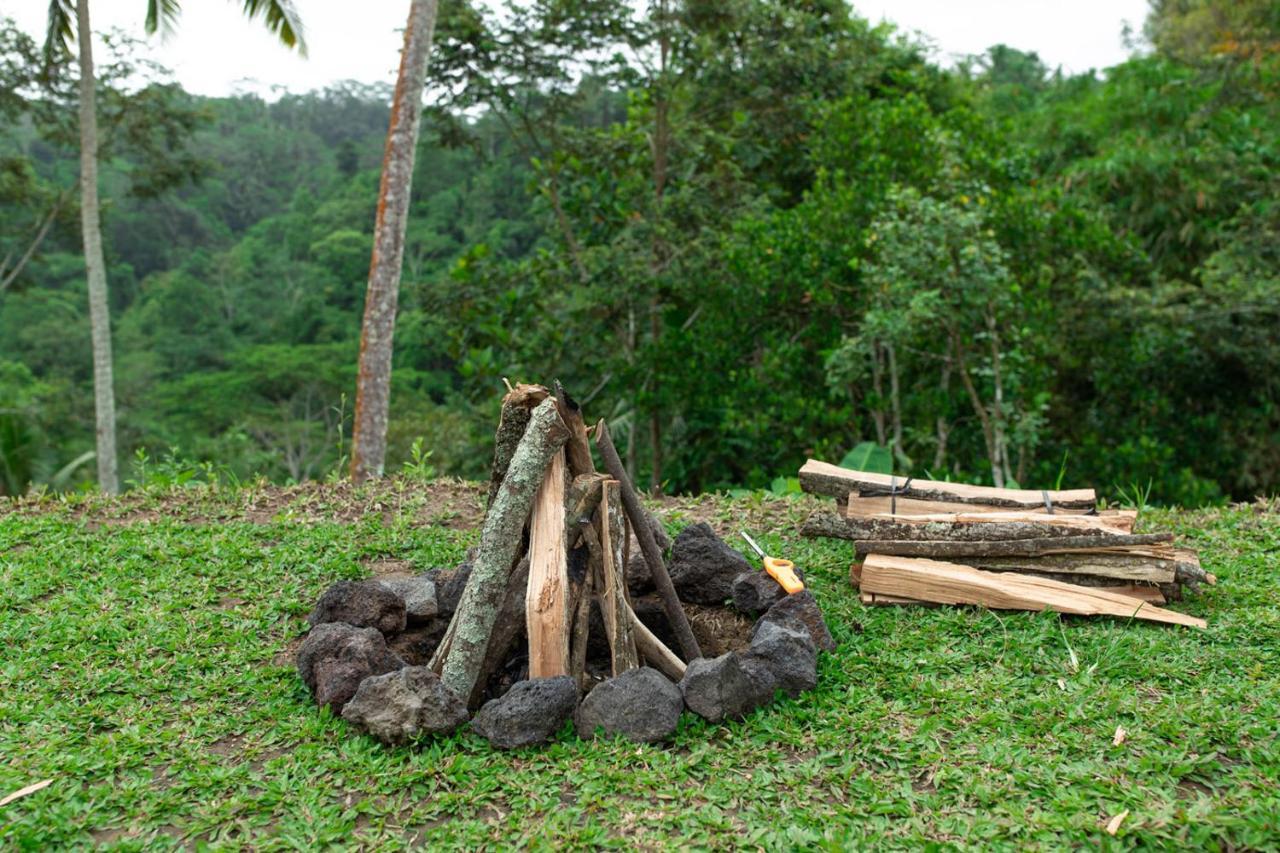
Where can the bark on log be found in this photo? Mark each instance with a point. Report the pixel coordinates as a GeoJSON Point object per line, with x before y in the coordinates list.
{"type": "Point", "coordinates": [500, 540]}
{"type": "Point", "coordinates": [613, 591]}
{"type": "Point", "coordinates": [1111, 521]}
{"type": "Point", "coordinates": [580, 634]}
{"type": "Point", "coordinates": [580, 503]}
{"type": "Point", "coordinates": [507, 630]}
{"type": "Point", "coordinates": [1113, 566]}
{"type": "Point", "coordinates": [1145, 544]}
{"type": "Point", "coordinates": [516, 408]}
{"type": "Point", "coordinates": [877, 529]}
{"type": "Point", "coordinates": [578, 450]}
{"type": "Point", "coordinates": [547, 599]}
{"type": "Point", "coordinates": [822, 478]}
{"type": "Point", "coordinates": [648, 546]}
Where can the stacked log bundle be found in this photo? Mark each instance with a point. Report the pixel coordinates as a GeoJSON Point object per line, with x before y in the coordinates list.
{"type": "Point", "coordinates": [927, 542]}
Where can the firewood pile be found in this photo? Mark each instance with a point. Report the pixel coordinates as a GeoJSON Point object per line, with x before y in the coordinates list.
{"type": "Point", "coordinates": [926, 542]}
{"type": "Point", "coordinates": [566, 609]}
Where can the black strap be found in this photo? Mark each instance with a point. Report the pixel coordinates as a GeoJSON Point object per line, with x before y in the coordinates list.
{"type": "Point", "coordinates": [893, 493]}
{"type": "Point", "coordinates": [1048, 502]}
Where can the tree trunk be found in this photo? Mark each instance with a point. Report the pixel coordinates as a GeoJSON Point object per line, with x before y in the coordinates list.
{"type": "Point", "coordinates": [895, 408]}
{"type": "Point", "coordinates": [104, 399]}
{"type": "Point", "coordinates": [877, 385]}
{"type": "Point", "coordinates": [979, 409]}
{"type": "Point", "coordinates": [942, 427]}
{"type": "Point", "coordinates": [373, 383]}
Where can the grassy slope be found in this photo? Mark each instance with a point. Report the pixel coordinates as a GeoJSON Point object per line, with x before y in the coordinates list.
{"type": "Point", "coordinates": [146, 670]}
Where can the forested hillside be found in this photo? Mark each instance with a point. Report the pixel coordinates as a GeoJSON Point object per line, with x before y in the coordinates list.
{"type": "Point", "coordinates": [764, 230]}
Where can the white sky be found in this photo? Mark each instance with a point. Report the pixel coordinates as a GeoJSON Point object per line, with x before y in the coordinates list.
{"type": "Point", "coordinates": [216, 51]}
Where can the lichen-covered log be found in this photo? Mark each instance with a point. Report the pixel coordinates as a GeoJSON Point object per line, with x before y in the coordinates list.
{"type": "Point", "coordinates": [1112, 566]}
{"type": "Point", "coordinates": [516, 408]}
{"type": "Point", "coordinates": [648, 545]}
{"type": "Point", "coordinates": [500, 540]}
{"type": "Point", "coordinates": [1146, 544]}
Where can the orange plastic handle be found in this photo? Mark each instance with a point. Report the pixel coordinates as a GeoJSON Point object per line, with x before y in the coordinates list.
{"type": "Point", "coordinates": [783, 571]}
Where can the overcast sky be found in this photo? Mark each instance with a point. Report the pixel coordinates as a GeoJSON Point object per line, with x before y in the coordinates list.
{"type": "Point", "coordinates": [215, 51]}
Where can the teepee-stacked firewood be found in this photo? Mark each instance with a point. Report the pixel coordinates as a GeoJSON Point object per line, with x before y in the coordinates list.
{"type": "Point", "coordinates": [549, 509]}
{"type": "Point", "coordinates": [926, 542]}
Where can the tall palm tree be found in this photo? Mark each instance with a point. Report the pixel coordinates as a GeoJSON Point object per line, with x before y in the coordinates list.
{"type": "Point", "coordinates": [373, 382]}
{"type": "Point", "coordinates": [69, 22]}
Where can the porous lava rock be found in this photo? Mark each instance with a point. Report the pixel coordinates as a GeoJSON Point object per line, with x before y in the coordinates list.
{"type": "Point", "coordinates": [404, 704]}
{"type": "Point", "coordinates": [786, 650]}
{"type": "Point", "coordinates": [530, 712]}
{"type": "Point", "coordinates": [419, 595]}
{"type": "Point", "coordinates": [449, 586]}
{"type": "Point", "coordinates": [703, 567]}
{"type": "Point", "coordinates": [365, 604]}
{"type": "Point", "coordinates": [727, 687]}
{"type": "Point", "coordinates": [802, 607]}
{"type": "Point", "coordinates": [336, 657]}
{"type": "Point", "coordinates": [640, 705]}
{"type": "Point", "coordinates": [756, 591]}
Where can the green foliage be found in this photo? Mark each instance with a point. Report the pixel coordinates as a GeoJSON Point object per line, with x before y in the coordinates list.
{"type": "Point", "coordinates": [869, 456]}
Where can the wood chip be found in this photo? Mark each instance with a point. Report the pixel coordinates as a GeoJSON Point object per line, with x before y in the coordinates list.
{"type": "Point", "coordinates": [1119, 737]}
{"type": "Point", "coordinates": [1113, 825]}
{"type": "Point", "coordinates": [22, 792]}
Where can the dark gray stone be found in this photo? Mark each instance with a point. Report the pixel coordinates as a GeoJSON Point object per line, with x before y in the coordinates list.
{"type": "Point", "coordinates": [756, 591]}
{"type": "Point", "coordinates": [640, 705]}
{"type": "Point", "coordinates": [727, 687]}
{"type": "Point", "coordinates": [404, 704]}
{"type": "Point", "coordinates": [802, 607]}
{"type": "Point", "coordinates": [703, 567]}
{"type": "Point", "coordinates": [336, 657]}
{"type": "Point", "coordinates": [449, 586]}
{"type": "Point", "coordinates": [788, 653]}
{"type": "Point", "coordinates": [365, 604]}
{"type": "Point", "coordinates": [419, 595]}
{"type": "Point", "coordinates": [530, 712]}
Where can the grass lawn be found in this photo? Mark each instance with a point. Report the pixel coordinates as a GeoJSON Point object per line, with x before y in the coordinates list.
{"type": "Point", "coordinates": [147, 671]}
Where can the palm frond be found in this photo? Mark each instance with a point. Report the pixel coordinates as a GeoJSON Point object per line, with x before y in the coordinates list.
{"type": "Point", "coordinates": [281, 19]}
{"type": "Point", "coordinates": [162, 16]}
{"type": "Point", "coordinates": [62, 28]}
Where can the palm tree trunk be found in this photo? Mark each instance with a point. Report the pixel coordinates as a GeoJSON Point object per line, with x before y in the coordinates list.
{"type": "Point", "coordinates": [373, 384]}
{"type": "Point", "coordinates": [104, 400]}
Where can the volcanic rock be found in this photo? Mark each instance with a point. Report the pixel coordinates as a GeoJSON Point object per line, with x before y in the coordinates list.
{"type": "Point", "coordinates": [336, 657]}
{"type": "Point", "coordinates": [419, 595]}
{"type": "Point", "coordinates": [530, 712]}
{"type": "Point", "coordinates": [401, 705]}
{"type": "Point", "coordinates": [727, 687]}
{"type": "Point", "coordinates": [788, 653]}
{"type": "Point", "coordinates": [365, 604]}
{"type": "Point", "coordinates": [703, 567]}
{"type": "Point", "coordinates": [801, 606]}
{"type": "Point", "coordinates": [640, 705]}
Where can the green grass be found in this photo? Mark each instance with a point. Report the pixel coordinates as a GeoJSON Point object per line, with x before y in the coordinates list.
{"type": "Point", "coordinates": [146, 669]}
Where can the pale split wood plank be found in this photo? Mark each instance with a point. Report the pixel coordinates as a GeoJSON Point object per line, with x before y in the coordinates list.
{"type": "Point", "coordinates": [823, 478]}
{"type": "Point", "coordinates": [950, 583]}
{"type": "Point", "coordinates": [546, 603]}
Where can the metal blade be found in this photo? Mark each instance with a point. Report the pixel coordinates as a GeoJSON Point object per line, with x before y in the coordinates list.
{"type": "Point", "coordinates": [752, 543]}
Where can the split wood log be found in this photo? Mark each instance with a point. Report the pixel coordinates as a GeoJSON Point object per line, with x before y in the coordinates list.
{"type": "Point", "coordinates": [1116, 521]}
{"type": "Point", "coordinates": [617, 627]}
{"type": "Point", "coordinates": [578, 450]}
{"type": "Point", "coordinates": [516, 408]}
{"type": "Point", "coordinates": [581, 502]}
{"type": "Point", "coordinates": [950, 583]}
{"type": "Point", "coordinates": [654, 651]}
{"type": "Point", "coordinates": [1153, 545]}
{"type": "Point", "coordinates": [1119, 566]}
{"type": "Point", "coordinates": [1149, 594]}
{"type": "Point", "coordinates": [508, 628]}
{"type": "Point", "coordinates": [613, 595]}
{"type": "Point", "coordinates": [855, 505]}
{"type": "Point", "coordinates": [892, 530]}
{"type": "Point", "coordinates": [547, 600]}
{"type": "Point", "coordinates": [1152, 591]}
{"type": "Point", "coordinates": [823, 478]}
{"type": "Point", "coordinates": [580, 634]}
{"type": "Point", "coordinates": [1188, 571]}
{"type": "Point", "coordinates": [501, 537]}
{"type": "Point", "coordinates": [648, 547]}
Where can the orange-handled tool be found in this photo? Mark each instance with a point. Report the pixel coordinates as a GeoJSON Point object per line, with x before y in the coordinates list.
{"type": "Point", "coordinates": [783, 571]}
